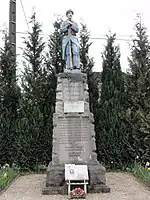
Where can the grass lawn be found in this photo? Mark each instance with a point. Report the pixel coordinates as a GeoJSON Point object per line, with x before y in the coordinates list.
{"type": "Point", "coordinates": [6, 176]}
{"type": "Point", "coordinates": [142, 174]}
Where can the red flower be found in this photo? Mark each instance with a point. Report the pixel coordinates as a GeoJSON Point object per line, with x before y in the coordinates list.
{"type": "Point", "coordinates": [77, 192]}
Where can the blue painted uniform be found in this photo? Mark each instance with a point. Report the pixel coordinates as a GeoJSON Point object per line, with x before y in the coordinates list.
{"type": "Point", "coordinates": [74, 44]}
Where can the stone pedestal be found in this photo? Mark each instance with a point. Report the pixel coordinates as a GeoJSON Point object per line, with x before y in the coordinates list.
{"type": "Point", "coordinates": [73, 136]}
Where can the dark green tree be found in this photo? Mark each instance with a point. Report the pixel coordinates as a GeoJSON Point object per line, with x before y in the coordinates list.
{"type": "Point", "coordinates": [9, 104]}
{"type": "Point", "coordinates": [138, 90]}
{"type": "Point", "coordinates": [54, 62]}
{"type": "Point", "coordinates": [55, 48]}
{"type": "Point", "coordinates": [112, 138]}
{"type": "Point", "coordinates": [35, 124]}
{"type": "Point", "coordinates": [87, 65]}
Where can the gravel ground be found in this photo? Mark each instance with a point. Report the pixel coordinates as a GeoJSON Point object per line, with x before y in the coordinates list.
{"type": "Point", "coordinates": [123, 187]}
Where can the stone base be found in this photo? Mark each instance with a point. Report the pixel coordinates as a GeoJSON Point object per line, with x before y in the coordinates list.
{"type": "Point", "coordinates": [55, 175]}
{"type": "Point", "coordinates": [72, 70]}
{"type": "Point", "coordinates": [63, 190]}
{"type": "Point", "coordinates": [55, 180]}
{"type": "Point", "coordinates": [98, 189]}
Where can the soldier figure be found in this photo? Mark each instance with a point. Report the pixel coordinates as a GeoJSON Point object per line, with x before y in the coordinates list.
{"type": "Point", "coordinates": [70, 46]}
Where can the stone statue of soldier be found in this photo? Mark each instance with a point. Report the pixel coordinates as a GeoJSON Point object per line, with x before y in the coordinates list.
{"type": "Point", "coordinates": [70, 44]}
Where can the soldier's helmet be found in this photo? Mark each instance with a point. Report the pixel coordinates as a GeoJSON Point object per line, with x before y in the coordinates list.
{"type": "Point", "coordinates": [68, 11]}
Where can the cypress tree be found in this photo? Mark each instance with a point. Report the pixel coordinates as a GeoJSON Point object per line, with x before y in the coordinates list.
{"type": "Point", "coordinates": [138, 81]}
{"type": "Point", "coordinates": [87, 65]}
{"type": "Point", "coordinates": [9, 104]}
{"type": "Point", "coordinates": [54, 54]}
{"type": "Point", "coordinates": [54, 62]}
{"type": "Point", "coordinates": [112, 137]}
{"type": "Point", "coordinates": [35, 124]}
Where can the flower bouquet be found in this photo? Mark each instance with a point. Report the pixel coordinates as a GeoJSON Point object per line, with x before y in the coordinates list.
{"type": "Point", "coordinates": [77, 193]}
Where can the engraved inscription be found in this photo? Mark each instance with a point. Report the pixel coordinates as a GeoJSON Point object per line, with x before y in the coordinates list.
{"type": "Point", "coordinates": [74, 138]}
{"type": "Point", "coordinates": [73, 91]}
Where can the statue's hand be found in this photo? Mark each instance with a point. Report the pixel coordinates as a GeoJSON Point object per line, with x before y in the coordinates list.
{"type": "Point", "coordinates": [70, 22]}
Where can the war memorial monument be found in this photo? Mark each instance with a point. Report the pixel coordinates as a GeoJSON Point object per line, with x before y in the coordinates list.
{"type": "Point", "coordinates": [73, 132]}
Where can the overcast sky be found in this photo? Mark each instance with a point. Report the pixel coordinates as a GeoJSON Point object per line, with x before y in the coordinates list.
{"type": "Point", "coordinates": [99, 15]}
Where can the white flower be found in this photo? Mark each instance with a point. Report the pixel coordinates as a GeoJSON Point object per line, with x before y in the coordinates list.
{"type": "Point", "coordinates": [147, 164]}
{"type": "Point", "coordinates": [5, 175]}
{"type": "Point", "coordinates": [6, 166]}
{"type": "Point", "coordinates": [137, 157]}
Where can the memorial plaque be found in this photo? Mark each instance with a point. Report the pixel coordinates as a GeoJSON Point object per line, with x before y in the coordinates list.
{"type": "Point", "coordinates": [76, 172]}
{"type": "Point", "coordinates": [74, 106]}
{"type": "Point", "coordinates": [74, 139]}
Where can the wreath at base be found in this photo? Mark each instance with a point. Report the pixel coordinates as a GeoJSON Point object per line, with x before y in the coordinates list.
{"type": "Point", "coordinates": [77, 193]}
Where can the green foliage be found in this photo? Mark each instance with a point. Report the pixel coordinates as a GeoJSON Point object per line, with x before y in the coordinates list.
{"type": "Point", "coordinates": [34, 126]}
{"type": "Point", "coordinates": [141, 173]}
{"type": "Point", "coordinates": [113, 137]}
{"type": "Point", "coordinates": [54, 55]}
{"type": "Point", "coordinates": [87, 65]}
{"type": "Point", "coordinates": [54, 61]}
{"type": "Point", "coordinates": [34, 46]}
{"type": "Point", "coordinates": [9, 103]}
{"type": "Point", "coordinates": [7, 175]}
{"type": "Point", "coordinates": [138, 90]}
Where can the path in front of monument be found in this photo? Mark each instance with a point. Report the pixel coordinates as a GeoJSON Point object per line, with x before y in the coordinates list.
{"type": "Point", "coordinates": [123, 186]}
